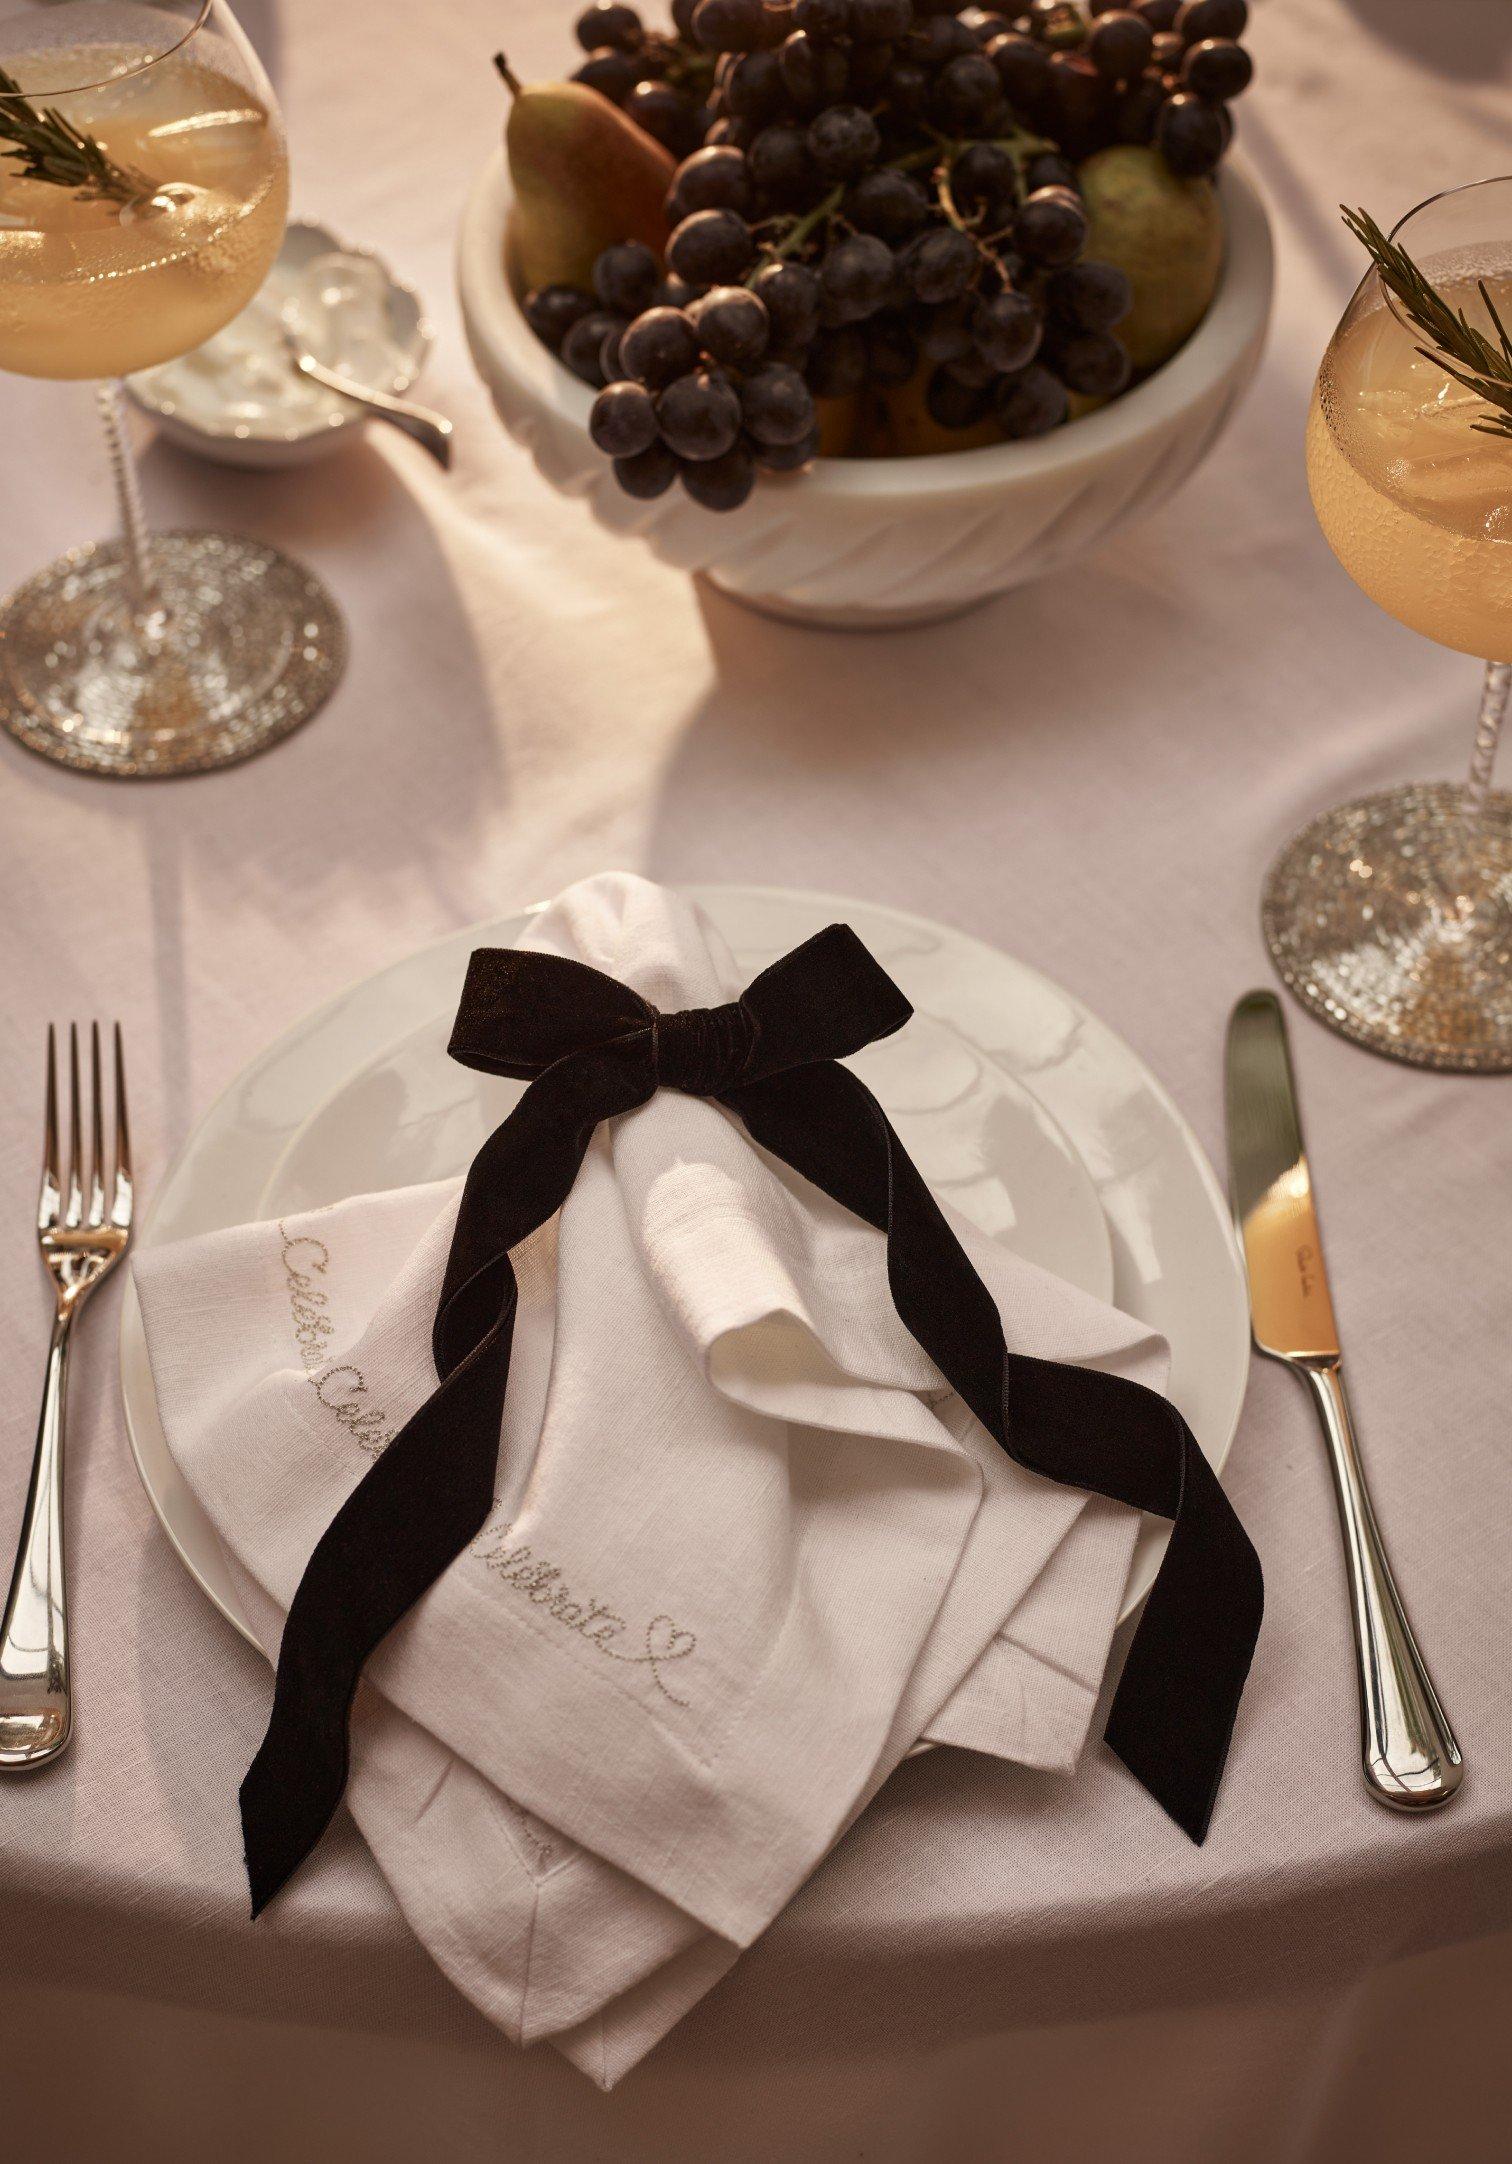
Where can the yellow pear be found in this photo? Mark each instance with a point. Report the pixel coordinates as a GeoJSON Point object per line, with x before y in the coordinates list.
{"type": "Point", "coordinates": [583, 175]}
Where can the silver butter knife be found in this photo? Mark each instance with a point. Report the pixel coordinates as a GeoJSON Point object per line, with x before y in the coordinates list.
{"type": "Point", "coordinates": [1411, 1760]}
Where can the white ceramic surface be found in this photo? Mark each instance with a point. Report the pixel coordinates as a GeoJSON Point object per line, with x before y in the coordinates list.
{"type": "Point", "coordinates": [239, 399]}
{"type": "Point", "coordinates": [878, 541]}
{"type": "Point", "coordinates": [307, 1121]}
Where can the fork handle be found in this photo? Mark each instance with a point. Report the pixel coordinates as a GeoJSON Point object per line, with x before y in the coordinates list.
{"type": "Point", "coordinates": [35, 1714]}
{"type": "Point", "coordinates": [1411, 1760]}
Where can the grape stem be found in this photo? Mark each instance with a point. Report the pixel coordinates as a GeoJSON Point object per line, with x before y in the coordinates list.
{"type": "Point", "coordinates": [1020, 145]}
{"type": "Point", "coordinates": [682, 68]}
{"type": "Point", "coordinates": [941, 154]}
{"type": "Point", "coordinates": [811, 220]}
{"type": "Point", "coordinates": [947, 202]}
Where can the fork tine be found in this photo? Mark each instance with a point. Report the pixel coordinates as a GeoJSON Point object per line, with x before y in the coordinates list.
{"type": "Point", "coordinates": [47, 1199]}
{"type": "Point", "coordinates": [96, 1132]}
{"type": "Point", "coordinates": [120, 1209]}
{"type": "Point", "coordinates": [74, 1210]}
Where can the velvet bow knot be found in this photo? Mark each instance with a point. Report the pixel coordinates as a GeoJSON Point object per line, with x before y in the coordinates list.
{"type": "Point", "coordinates": [521, 1013]}
{"type": "Point", "coordinates": [590, 1049]}
{"type": "Point", "coordinates": [703, 1050]}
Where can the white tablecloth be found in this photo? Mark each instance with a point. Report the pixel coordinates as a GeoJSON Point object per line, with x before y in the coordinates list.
{"type": "Point", "coordinates": [1093, 773]}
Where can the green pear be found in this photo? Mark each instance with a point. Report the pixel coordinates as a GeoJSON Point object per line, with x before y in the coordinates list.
{"type": "Point", "coordinates": [1166, 233]}
{"type": "Point", "coordinates": [584, 176]}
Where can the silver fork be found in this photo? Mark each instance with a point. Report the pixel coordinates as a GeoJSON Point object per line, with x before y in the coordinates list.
{"type": "Point", "coordinates": [81, 1243]}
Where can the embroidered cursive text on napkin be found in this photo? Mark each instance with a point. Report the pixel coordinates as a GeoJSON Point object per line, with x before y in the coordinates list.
{"type": "Point", "coordinates": [542, 1584]}
{"type": "Point", "coordinates": [343, 1389]}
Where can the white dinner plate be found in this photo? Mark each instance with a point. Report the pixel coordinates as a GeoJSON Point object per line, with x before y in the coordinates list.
{"type": "Point", "coordinates": [1020, 1107]}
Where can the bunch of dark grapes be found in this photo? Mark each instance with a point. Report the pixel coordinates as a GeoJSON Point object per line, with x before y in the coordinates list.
{"type": "Point", "coordinates": [662, 82]}
{"type": "Point", "coordinates": [879, 190]}
{"type": "Point", "coordinates": [1127, 71]}
{"type": "Point", "coordinates": [697, 379]}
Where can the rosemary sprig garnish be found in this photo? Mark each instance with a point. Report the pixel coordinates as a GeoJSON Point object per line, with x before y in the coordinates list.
{"type": "Point", "coordinates": [1455, 345]}
{"type": "Point", "coordinates": [48, 147]}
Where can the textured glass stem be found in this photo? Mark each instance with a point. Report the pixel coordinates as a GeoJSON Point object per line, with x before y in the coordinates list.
{"type": "Point", "coordinates": [1493, 710]}
{"type": "Point", "coordinates": [138, 547]}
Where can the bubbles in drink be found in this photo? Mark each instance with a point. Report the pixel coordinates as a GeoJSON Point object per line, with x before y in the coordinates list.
{"type": "Point", "coordinates": [100, 288]}
{"type": "Point", "coordinates": [1413, 497]}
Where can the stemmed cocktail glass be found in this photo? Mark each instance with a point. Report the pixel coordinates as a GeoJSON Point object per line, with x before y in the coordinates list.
{"type": "Point", "coordinates": [143, 193]}
{"type": "Point", "coordinates": [1392, 916]}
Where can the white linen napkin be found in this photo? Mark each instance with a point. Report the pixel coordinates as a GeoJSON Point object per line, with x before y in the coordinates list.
{"type": "Point", "coordinates": [747, 1551]}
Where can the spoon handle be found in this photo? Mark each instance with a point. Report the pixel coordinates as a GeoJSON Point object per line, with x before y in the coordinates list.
{"type": "Point", "coordinates": [431, 430]}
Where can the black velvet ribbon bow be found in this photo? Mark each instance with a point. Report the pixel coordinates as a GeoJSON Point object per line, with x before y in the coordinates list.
{"type": "Point", "coordinates": [591, 1048]}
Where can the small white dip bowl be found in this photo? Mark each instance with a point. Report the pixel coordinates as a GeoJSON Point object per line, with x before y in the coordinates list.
{"type": "Point", "coordinates": [239, 398]}
{"type": "Point", "coordinates": [879, 541]}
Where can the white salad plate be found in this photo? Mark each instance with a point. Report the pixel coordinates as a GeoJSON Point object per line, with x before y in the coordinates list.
{"type": "Point", "coordinates": [1022, 1109]}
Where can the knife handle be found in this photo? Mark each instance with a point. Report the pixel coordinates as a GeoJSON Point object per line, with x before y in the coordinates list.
{"type": "Point", "coordinates": [1411, 1760]}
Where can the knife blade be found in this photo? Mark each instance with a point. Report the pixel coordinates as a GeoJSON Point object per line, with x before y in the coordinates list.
{"type": "Point", "coordinates": [1410, 1758]}
{"type": "Point", "coordinates": [1277, 1220]}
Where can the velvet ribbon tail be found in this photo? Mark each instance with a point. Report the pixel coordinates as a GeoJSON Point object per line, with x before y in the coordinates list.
{"type": "Point", "coordinates": [1173, 1713]}
{"type": "Point", "coordinates": [429, 1495]}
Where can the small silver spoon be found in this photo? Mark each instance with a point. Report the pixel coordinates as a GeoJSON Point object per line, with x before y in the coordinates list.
{"type": "Point", "coordinates": [431, 430]}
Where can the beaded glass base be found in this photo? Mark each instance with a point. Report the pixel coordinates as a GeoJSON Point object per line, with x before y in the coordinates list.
{"type": "Point", "coordinates": [1392, 920]}
{"type": "Point", "coordinates": [237, 646]}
